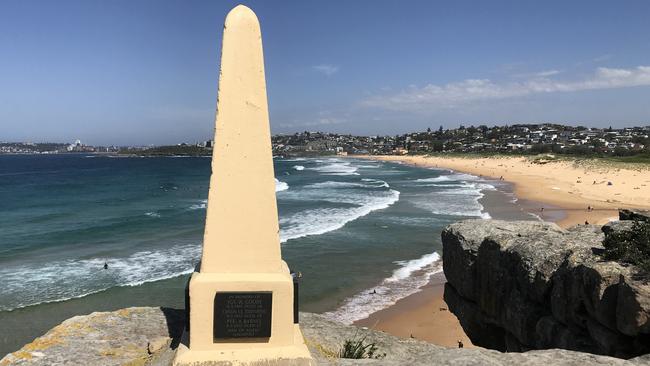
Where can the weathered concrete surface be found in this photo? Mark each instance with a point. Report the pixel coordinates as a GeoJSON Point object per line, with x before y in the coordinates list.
{"type": "Point", "coordinates": [149, 336]}
{"type": "Point", "coordinates": [525, 285]}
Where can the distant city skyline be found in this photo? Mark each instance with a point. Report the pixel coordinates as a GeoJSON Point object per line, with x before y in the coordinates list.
{"type": "Point", "coordinates": [146, 72]}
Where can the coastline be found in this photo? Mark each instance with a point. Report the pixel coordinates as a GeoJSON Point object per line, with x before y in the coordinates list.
{"type": "Point", "coordinates": [568, 187]}
{"type": "Point", "coordinates": [422, 315]}
{"type": "Point", "coordinates": [419, 314]}
{"type": "Point", "coordinates": [551, 192]}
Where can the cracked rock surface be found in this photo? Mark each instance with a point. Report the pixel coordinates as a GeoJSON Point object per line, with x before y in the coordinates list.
{"type": "Point", "coordinates": [148, 336]}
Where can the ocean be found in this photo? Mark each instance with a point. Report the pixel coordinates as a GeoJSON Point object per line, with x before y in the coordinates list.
{"type": "Point", "coordinates": [350, 226]}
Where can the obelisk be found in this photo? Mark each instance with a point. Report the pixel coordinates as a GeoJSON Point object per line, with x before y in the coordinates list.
{"type": "Point", "coordinates": [241, 300]}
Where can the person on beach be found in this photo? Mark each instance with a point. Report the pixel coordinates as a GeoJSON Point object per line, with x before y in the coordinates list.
{"type": "Point", "coordinates": [460, 344]}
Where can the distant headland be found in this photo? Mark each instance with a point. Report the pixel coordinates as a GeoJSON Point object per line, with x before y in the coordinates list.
{"type": "Point", "coordinates": [626, 144]}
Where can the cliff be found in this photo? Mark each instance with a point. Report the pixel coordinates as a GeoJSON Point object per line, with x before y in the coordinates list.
{"type": "Point", "coordinates": [149, 336]}
{"type": "Point", "coordinates": [517, 286]}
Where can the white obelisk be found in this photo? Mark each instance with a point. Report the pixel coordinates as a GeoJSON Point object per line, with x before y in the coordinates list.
{"type": "Point", "coordinates": [243, 281]}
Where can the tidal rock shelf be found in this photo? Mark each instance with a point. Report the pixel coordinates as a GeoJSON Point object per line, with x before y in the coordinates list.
{"type": "Point", "coordinates": [518, 286]}
{"type": "Point", "coordinates": [149, 336]}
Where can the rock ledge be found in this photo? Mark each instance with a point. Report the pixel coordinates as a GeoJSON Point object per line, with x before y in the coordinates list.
{"type": "Point", "coordinates": [149, 336]}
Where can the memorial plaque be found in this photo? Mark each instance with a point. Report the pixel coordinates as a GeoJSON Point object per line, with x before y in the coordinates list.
{"type": "Point", "coordinates": [242, 315]}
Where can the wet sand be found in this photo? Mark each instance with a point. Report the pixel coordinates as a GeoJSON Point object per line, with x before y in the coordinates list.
{"type": "Point", "coordinates": [423, 315]}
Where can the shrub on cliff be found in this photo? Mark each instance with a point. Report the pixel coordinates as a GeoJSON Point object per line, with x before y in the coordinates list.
{"type": "Point", "coordinates": [630, 246]}
{"type": "Point", "coordinates": [357, 348]}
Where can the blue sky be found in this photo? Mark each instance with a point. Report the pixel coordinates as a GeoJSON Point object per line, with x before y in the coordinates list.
{"type": "Point", "coordinates": [146, 72]}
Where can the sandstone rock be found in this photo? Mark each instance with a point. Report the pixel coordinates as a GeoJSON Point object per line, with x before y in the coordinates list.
{"type": "Point", "coordinates": [122, 337]}
{"type": "Point", "coordinates": [642, 215]}
{"type": "Point", "coordinates": [543, 287]}
{"type": "Point", "coordinates": [325, 337]}
{"type": "Point", "coordinates": [158, 344]}
{"type": "Point", "coordinates": [462, 243]}
{"type": "Point", "coordinates": [633, 316]}
{"type": "Point", "coordinates": [135, 332]}
{"type": "Point", "coordinates": [615, 226]}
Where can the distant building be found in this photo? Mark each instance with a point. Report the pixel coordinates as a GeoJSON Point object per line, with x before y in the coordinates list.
{"type": "Point", "coordinates": [77, 146]}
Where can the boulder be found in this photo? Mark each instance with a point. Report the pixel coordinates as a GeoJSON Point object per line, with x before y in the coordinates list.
{"type": "Point", "coordinates": [132, 336]}
{"type": "Point", "coordinates": [641, 215]}
{"type": "Point", "coordinates": [544, 287]}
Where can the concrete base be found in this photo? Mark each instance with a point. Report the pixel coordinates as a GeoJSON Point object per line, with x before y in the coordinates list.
{"type": "Point", "coordinates": [295, 355]}
{"type": "Point", "coordinates": [286, 345]}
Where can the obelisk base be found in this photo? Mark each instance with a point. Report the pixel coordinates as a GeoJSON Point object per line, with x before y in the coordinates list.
{"type": "Point", "coordinates": [295, 355]}
{"type": "Point", "coordinates": [285, 344]}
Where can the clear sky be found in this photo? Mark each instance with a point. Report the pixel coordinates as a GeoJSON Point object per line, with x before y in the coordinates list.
{"type": "Point", "coordinates": [145, 72]}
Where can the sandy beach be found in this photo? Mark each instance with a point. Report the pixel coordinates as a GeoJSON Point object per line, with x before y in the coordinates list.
{"type": "Point", "coordinates": [558, 191]}
{"type": "Point", "coordinates": [423, 315]}
{"type": "Point", "coordinates": [568, 186]}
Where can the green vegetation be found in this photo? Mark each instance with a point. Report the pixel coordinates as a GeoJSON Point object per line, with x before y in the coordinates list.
{"type": "Point", "coordinates": [357, 348]}
{"type": "Point", "coordinates": [631, 246]}
{"type": "Point", "coordinates": [643, 158]}
{"type": "Point", "coordinates": [175, 150]}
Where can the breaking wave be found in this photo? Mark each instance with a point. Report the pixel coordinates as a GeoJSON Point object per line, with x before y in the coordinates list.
{"type": "Point", "coordinates": [354, 200]}
{"type": "Point", "coordinates": [62, 280]}
{"type": "Point", "coordinates": [280, 186]}
{"type": "Point", "coordinates": [336, 167]}
{"type": "Point", "coordinates": [455, 195]}
{"type": "Point", "coordinates": [404, 281]}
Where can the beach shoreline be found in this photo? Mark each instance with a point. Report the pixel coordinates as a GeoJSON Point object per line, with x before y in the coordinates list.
{"type": "Point", "coordinates": [567, 186]}
{"type": "Point", "coordinates": [551, 192]}
{"type": "Point", "coordinates": [422, 315]}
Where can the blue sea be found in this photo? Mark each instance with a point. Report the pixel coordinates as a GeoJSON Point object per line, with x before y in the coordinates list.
{"type": "Point", "coordinates": [349, 225]}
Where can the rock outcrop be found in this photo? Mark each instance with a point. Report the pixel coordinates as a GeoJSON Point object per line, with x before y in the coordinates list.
{"type": "Point", "coordinates": [641, 215]}
{"type": "Point", "coordinates": [517, 286]}
{"type": "Point", "coordinates": [149, 336]}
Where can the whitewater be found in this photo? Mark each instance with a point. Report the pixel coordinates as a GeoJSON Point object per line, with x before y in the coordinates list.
{"type": "Point", "coordinates": [378, 223]}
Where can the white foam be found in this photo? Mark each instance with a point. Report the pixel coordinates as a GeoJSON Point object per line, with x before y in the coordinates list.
{"type": "Point", "coordinates": [295, 159]}
{"type": "Point", "coordinates": [202, 204]}
{"type": "Point", "coordinates": [405, 280]}
{"type": "Point", "coordinates": [449, 177]}
{"type": "Point", "coordinates": [411, 266]}
{"type": "Point", "coordinates": [280, 186]}
{"type": "Point", "coordinates": [152, 214]}
{"type": "Point", "coordinates": [334, 184]}
{"type": "Point", "coordinates": [298, 167]}
{"type": "Point", "coordinates": [459, 197]}
{"type": "Point", "coordinates": [318, 221]}
{"type": "Point", "coordinates": [26, 285]}
{"type": "Point", "coordinates": [374, 166]}
{"type": "Point", "coordinates": [336, 167]}
{"type": "Point", "coordinates": [381, 183]}
{"type": "Point", "coordinates": [199, 206]}
{"type": "Point", "coordinates": [442, 178]}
